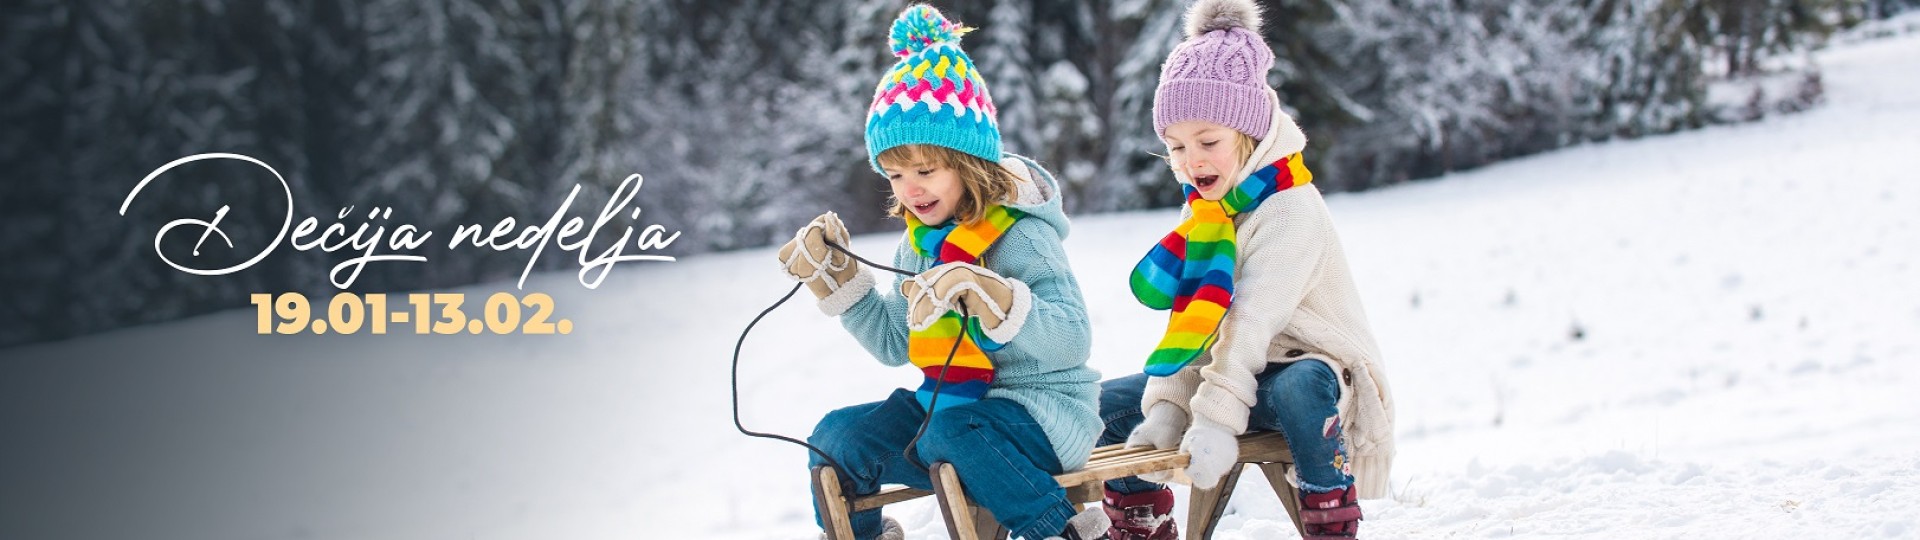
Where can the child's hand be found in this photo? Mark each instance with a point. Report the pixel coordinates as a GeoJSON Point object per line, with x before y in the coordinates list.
{"type": "Point", "coordinates": [1211, 451]}
{"type": "Point", "coordinates": [807, 258]}
{"type": "Point", "coordinates": [986, 295]}
{"type": "Point", "coordinates": [1161, 429]}
{"type": "Point", "coordinates": [923, 308]}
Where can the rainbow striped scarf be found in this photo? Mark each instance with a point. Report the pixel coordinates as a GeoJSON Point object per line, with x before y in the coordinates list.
{"type": "Point", "coordinates": [971, 373]}
{"type": "Point", "coordinates": [1191, 270]}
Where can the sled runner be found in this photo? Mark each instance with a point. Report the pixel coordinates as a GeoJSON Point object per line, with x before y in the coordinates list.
{"type": "Point", "coordinates": [965, 521]}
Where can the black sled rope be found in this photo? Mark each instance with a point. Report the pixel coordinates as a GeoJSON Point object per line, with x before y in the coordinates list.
{"type": "Point", "coordinates": [845, 479]}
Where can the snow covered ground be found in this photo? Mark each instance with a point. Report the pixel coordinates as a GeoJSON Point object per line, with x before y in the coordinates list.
{"type": "Point", "coordinates": [1711, 334]}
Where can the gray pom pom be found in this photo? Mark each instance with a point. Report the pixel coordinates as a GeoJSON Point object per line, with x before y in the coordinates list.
{"type": "Point", "coordinates": [1209, 15]}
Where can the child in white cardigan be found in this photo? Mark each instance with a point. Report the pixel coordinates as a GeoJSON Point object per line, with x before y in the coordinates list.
{"type": "Point", "coordinates": [1267, 330]}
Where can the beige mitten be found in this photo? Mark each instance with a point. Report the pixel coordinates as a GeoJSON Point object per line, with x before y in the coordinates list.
{"type": "Point", "coordinates": [922, 307]}
{"type": "Point", "coordinates": [986, 295]}
{"type": "Point", "coordinates": [807, 258]}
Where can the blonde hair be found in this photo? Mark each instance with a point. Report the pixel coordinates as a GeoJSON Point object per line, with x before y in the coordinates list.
{"type": "Point", "coordinates": [982, 183]}
{"type": "Point", "coordinates": [1243, 146]}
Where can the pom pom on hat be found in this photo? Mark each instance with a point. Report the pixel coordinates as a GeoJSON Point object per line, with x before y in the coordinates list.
{"type": "Point", "coordinates": [919, 27]}
{"type": "Point", "coordinates": [1210, 15]}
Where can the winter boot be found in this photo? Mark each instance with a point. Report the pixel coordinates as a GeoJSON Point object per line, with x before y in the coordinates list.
{"type": "Point", "coordinates": [1331, 515]}
{"type": "Point", "coordinates": [1147, 515]}
{"type": "Point", "coordinates": [1089, 524]}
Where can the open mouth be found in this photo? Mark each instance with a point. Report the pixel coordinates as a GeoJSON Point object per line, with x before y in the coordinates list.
{"type": "Point", "coordinates": [923, 208]}
{"type": "Point", "coordinates": [1205, 181]}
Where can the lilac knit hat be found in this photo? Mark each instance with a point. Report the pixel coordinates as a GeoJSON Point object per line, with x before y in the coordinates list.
{"type": "Point", "coordinates": [1219, 74]}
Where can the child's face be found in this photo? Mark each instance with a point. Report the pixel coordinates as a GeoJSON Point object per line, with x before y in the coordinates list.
{"type": "Point", "coordinates": [1202, 153]}
{"type": "Point", "coordinates": [931, 191]}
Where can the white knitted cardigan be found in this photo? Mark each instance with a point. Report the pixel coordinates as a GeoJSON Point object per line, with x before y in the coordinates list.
{"type": "Point", "coordinates": [1294, 300]}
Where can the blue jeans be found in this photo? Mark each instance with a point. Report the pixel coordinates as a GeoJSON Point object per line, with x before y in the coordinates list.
{"type": "Point", "coordinates": [999, 452]}
{"type": "Point", "coordinates": [1300, 400]}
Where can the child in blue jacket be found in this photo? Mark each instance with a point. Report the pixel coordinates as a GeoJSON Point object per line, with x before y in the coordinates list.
{"type": "Point", "coordinates": [1018, 403]}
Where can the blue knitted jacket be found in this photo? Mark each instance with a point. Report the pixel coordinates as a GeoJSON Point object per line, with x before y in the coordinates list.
{"type": "Point", "coordinates": [1044, 366]}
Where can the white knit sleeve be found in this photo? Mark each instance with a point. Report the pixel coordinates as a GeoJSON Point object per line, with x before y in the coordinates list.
{"type": "Point", "coordinates": [1177, 388]}
{"type": "Point", "coordinates": [1279, 249]}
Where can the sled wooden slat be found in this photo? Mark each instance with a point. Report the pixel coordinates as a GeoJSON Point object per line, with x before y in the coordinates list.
{"type": "Point", "coordinates": [887, 496]}
{"type": "Point", "coordinates": [1264, 447]}
{"type": "Point", "coordinates": [1114, 451]}
{"type": "Point", "coordinates": [1124, 467]}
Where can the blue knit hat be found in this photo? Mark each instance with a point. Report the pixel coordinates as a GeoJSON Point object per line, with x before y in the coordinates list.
{"type": "Point", "coordinates": [932, 95]}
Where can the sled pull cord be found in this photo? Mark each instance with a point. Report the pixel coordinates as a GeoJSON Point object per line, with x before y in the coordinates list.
{"type": "Point", "coordinates": [844, 477]}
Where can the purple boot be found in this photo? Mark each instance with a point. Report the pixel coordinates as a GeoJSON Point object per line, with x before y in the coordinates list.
{"type": "Point", "coordinates": [1147, 515]}
{"type": "Point", "coordinates": [1331, 515]}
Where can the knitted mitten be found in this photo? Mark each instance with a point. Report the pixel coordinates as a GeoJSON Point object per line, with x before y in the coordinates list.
{"type": "Point", "coordinates": [1211, 451]}
{"type": "Point", "coordinates": [1162, 427]}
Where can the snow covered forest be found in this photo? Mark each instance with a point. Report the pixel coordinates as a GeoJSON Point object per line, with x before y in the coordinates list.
{"type": "Point", "coordinates": [1704, 334]}
{"type": "Point", "coordinates": [745, 115]}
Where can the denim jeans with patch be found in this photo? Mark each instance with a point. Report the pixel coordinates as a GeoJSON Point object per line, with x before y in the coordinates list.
{"type": "Point", "coordinates": [1299, 399]}
{"type": "Point", "coordinates": [996, 448]}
